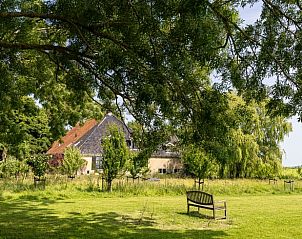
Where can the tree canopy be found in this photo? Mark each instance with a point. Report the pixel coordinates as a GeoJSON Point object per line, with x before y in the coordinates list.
{"type": "Point", "coordinates": [147, 52]}
{"type": "Point", "coordinates": [243, 139]}
{"type": "Point", "coordinates": [153, 59]}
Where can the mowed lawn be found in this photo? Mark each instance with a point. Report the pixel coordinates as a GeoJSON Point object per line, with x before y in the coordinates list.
{"type": "Point", "coordinates": [268, 216]}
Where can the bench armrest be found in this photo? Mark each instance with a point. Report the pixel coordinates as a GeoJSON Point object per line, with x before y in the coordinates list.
{"type": "Point", "coordinates": [220, 203]}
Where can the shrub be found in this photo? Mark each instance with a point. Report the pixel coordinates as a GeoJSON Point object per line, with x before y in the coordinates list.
{"type": "Point", "coordinates": [72, 161]}
{"type": "Point", "coordinates": [39, 164]}
{"type": "Point", "coordinates": [13, 167]}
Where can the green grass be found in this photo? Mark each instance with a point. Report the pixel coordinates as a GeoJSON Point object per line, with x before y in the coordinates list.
{"type": "Point", "coordinates": [76, 209]}
{"type": "Point", "coordinates": [269, 216]}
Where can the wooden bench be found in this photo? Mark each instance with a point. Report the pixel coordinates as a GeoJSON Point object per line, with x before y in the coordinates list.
{"type": "Point", "coordinates": [204, 200]}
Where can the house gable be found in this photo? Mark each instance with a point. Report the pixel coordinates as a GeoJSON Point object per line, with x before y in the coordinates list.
{"type": "Point", "coordinates": [88, 137]}
{"type": "Point", "coordinates": [90, 143]}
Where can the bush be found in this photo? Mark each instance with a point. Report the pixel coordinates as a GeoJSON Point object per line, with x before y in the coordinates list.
{"type": "Point", "coordinates": [39, 164]}
{"type": "Point", "coordinates": [13, 167]}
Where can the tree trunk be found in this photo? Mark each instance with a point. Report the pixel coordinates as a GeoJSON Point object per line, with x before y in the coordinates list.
{"type": "Point", "coordinates": [109, 185]}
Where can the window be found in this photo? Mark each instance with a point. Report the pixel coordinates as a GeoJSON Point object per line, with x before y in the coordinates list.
{"type": "Point", "coordinates": [162, 170]}
{"type": "Point", "coordinates": [96, 162]}
{"type": "Point", "coordinates": [176, 170]}
{"type": "Point", "coordinates": [129, 143]}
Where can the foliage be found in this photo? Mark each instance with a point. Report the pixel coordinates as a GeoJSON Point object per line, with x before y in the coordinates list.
{"type": "Point", "coordinates": [254, 141]}
{"type": "Point", "coordinates": [115, 154]}
{"type": "Point", "coordinates": [241, 136]}
{"type": "Point", "coordinates": [299, 171]}
{"type": "Point", "coordinates": [24, 129]}
{"type": "Point", "coordinates": [197, 162]}
{"type": "Point", "coordinates": [72, 162]}
{"type": "Point", "coordinates": [39, 164]}
{"type": "Point", "coordinates": [147, 53]}
{"type": "Point", "coordinates": [154, 59]}
{"type": "Point", "coordinates": [13, 167]}
{"type": "Point", "coordinates": [138, 163]}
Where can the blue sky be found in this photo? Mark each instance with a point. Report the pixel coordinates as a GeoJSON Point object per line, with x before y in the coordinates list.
{"type": "Point", "coordinates": [292, 142]}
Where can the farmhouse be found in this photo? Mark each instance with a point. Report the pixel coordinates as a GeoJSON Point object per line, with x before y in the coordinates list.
{"type": "Point", "coordinates": [88, 138]}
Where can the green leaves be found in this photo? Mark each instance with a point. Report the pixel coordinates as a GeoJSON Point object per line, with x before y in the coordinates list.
{"type": "Point", "coordinates": [24, 129]}
{"type": "Point", "coordinates": [39, 164]}
{"type": "Point", "coordinates": [72, 162]}
{"type": "Point", "coordinates": [197, 162]}
{"type": "Point", "coordinates": [115, 154]}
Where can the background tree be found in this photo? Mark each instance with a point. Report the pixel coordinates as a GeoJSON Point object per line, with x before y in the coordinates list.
{"type": "Point", "coordinates": [72, 162]}
{"type": "Point", "coordinates": [198, 163]}
{"type": "Point", "coordinates": [115, 154]}
{"type": "Point", "coordinates": [255, 143]}
{"type": "Point", "coordinates": [241, 136]}
{"type": "Point", "coordinates": [13, 167]}
{"type": "Point", "coordinates": [24, 129]}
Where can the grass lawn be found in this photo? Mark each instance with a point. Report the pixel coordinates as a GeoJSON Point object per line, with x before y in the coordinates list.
{"type": "Point", "coordinates": [95, 216]}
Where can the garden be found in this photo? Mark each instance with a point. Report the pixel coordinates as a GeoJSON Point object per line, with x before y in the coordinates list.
{"type": "Point", "coordinates": [77, 208]}
{"type": "Point", "coordinates": [194, 71]}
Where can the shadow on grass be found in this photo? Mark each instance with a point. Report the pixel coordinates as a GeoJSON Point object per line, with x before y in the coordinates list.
{"type": "Point", "coordinates": [25, 219]}
{"type": "Point", "coordinates": [196, 214]}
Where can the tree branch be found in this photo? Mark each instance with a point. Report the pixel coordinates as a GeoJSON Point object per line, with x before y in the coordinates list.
{"type": "Point", "coordinates": [26, 46]}
{"type": "Point", "coordinates": [74, 24]}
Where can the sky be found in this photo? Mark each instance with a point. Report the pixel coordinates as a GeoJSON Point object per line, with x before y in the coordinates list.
{"type": "Point", "coordinates": [292, 142]}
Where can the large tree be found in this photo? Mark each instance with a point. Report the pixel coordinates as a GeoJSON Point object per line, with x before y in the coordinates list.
{"type": "Point", "coordinates": [152, 57]}
{"type": "Point", "coordinates": [24, 129]}
{"type": "Point", "coordinates": [242, 137]}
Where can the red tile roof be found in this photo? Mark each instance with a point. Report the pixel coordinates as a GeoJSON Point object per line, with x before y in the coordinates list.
{"type": "Point", "coordinates": [71, 137]}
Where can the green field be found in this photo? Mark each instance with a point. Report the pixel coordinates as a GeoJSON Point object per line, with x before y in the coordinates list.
{"type": "Point", "coordinates": [69, 211]}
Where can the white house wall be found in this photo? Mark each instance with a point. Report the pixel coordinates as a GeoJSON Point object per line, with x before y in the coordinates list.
{"type": "Point", "coordinates": [88, 168]}
{"type": "Point", "coordinates": [164, 165]}
{"type": "Point", "coordinates": [156, 165]}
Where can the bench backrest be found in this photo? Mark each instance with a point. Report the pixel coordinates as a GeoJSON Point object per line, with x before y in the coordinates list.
{"type": "Point", "coordinates": [200, 197]}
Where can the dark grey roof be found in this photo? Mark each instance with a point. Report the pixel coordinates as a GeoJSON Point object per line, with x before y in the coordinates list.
{"type": "Point", "coordinates": [90, 143]}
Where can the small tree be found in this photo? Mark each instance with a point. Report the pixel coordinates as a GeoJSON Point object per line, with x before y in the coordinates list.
{"type": "Point", "coordinates": [138, 163]}
{"type": "Point", "coordinates": [72, 161]}
{"type": "Point", "coordinates": [39, 164]}
{"type": "Point", "coordinates": [197, 162]}
{"type": "Point", "coordinates": [115, 154]}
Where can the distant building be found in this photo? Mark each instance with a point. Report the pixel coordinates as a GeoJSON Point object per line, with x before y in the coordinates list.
{"type": "Point", "coordinates": [165, 159]}
{"type": "Point", "coordinates": [88, 138]}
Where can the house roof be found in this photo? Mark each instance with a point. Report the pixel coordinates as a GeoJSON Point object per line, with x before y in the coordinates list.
{"type": "Point", "coordinates": [89, 136]}
{"type": "Point", "coordinates": [91, 143]}
{"type": "Point", "coordinates": [72, 136]}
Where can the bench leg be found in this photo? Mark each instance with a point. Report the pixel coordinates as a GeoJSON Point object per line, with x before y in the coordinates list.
{"type": "Point", "coordinates": [188, 209]}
